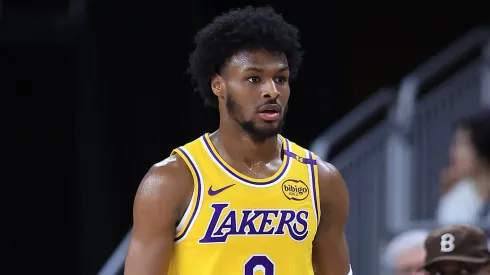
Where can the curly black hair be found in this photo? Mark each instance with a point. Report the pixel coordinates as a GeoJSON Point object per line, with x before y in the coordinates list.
{"type": "Point", "coordinates": [248, 28]}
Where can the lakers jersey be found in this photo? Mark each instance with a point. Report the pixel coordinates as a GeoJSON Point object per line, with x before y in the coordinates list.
{"type": "Point", "coordinates": [238, 225]}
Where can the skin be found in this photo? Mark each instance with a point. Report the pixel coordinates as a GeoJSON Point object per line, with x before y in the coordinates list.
{"type": "Point", "coordinates": [408, 263]}
{"type": "Point", "coordinates": [249, 144]}
{"type": "Point", "coordinates": [463, 155]}
{"type": "Point", "coordinates": [464, 162]}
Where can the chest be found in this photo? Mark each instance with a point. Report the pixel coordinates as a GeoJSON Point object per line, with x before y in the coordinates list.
{"type": "Point", "coordinates": [237, 211]}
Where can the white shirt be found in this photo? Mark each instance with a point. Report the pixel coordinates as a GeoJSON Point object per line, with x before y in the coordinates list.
{"type": "Point", "coordinates": [461, 205]}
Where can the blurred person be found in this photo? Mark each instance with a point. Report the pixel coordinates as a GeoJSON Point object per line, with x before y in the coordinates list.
{"type": "Point", "coordinates": [455, 250]}
{"type": "Point", "coordinates": [244, 199]}
{"type": "Point", "coordinates": [405, 253]}
{"type": "Point", "coordinates": [466, 182]}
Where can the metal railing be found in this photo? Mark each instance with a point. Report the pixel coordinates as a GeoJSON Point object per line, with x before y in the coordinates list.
{"type": "Point", "coordinates": [115, 262]}
{"type": "Point", "coordinates": [323, 144]}
{"type": "Point", "coordinates": [362, 167]}
{"type": "Point", "coordinates": [418, 135]}
{"type": "Point", "coordinates": [361, 164]}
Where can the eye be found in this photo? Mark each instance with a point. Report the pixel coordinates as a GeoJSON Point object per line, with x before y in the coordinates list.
{"type": "Point", "coordinates": [280, 79]}
{"type": "Point", "coordinates": [254, 79]}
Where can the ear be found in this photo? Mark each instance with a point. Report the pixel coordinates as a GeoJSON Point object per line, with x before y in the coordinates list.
{"type": "Point", "coordinates": [217, 85]}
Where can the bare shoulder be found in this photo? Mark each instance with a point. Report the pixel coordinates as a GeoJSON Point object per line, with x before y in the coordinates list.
{"type": "Point", "coordinates": [167, 185]}
{"type": "Point", "coordinates": [329, 176]}
{"type": "Point", "coordinates": [169, 174]}
{"type": "Point", "coordinates": [330, 250]}
{"type": "Point", "coordinates": [157, 210]}
{"type": "Point", "coordinates": [333, 190]}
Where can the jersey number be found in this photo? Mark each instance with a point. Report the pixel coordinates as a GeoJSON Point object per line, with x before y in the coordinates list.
{"type": "Point", "coordinates": [259, 262]}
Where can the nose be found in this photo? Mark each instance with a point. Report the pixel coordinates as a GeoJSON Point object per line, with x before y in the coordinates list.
{"type": "Point", "coordinates": [270, 90]}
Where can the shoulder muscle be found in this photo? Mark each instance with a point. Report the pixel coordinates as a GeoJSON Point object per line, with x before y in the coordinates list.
{"type": "Point", "coordinates": [330, 250]}
{"type": "Point", "coordinates": [160, 198]}
{"type": "Point", "coordinates": [165, 189]}
{"type": "Point", "coordinates": [333, 191]}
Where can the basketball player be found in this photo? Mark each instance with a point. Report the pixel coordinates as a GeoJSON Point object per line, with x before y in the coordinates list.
{"type": "Point", "coordinates": [455, 250]}
{"type": "Point", "coordinates": [243, 200]}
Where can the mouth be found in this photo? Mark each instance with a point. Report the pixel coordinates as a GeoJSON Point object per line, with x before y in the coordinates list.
{"type": "Point", "coordinates": [270, 112]}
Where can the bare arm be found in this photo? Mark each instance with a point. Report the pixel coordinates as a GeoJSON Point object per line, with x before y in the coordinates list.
{"type": "Point", "coordinates": [159, 204]}
{"type": "Point", "coordinates": [330, 251]}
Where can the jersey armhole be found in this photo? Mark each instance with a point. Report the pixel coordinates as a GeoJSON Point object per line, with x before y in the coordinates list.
{"type": "Point", "coordinates": [192, 209]}
{"type": "Point", "coordinates": [315, 185]}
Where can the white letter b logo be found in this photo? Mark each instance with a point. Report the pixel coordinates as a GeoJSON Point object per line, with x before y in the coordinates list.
{"type": "Point", "coordinates": [447, 242]}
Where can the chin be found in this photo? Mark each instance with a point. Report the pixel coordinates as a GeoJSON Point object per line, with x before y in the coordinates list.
{"type": "Point", "coordinates": [270, 129]}
{"type": "Point", "coordinates": [262, 130]}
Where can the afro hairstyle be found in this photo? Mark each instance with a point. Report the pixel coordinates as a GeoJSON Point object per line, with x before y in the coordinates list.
{"type": "Point", "coordinates": [248, 28]}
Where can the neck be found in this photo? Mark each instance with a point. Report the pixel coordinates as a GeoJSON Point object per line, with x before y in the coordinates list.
{"type": "Point", "coordinates": [239, 146]}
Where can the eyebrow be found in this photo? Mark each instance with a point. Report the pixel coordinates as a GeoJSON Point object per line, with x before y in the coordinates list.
{"type": "Point", "coordinates": [257, 69]}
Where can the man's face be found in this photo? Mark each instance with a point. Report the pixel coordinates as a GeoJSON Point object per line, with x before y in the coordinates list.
{"type": "Point", "coordinates": [255, 91]}
{"type": "Point", "coordinates": [409, 262]}
{"type": "Point", "coordinates": [458, 268]}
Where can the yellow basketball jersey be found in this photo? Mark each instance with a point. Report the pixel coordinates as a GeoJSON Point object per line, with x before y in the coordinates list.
{"type": "Point", "coordinates": [237, 225]}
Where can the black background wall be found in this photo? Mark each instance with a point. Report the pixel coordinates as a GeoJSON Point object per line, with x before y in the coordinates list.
{"type": "Point", "coordinates": [92, 112]}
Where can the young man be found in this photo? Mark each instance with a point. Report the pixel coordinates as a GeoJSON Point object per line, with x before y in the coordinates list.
{"type": "Point", "coordinates": [243, 198]}
{"type": "Point", "coordinates": [455, 250]}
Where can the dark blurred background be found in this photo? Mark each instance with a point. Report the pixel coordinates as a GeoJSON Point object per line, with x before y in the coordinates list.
{"type": "Point", "coordinates": [100, 94]}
